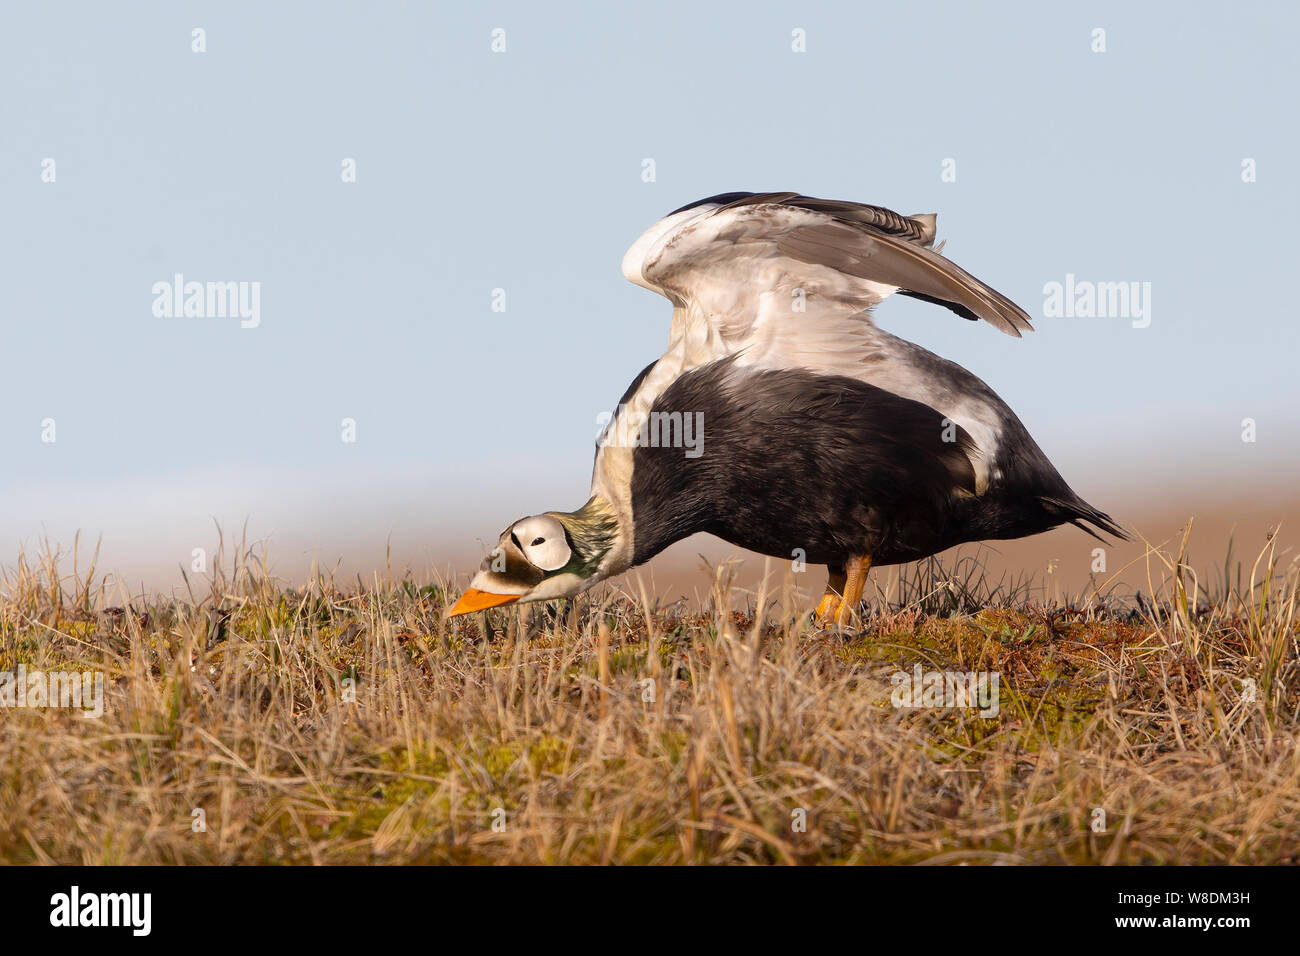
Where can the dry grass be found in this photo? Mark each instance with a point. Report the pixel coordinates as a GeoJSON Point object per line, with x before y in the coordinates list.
{"type": "Point", "coordinates": [235, 704]}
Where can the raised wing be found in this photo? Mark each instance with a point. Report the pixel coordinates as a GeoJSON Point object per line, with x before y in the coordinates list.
{"type": "Point", "coordinates": [744, 260]}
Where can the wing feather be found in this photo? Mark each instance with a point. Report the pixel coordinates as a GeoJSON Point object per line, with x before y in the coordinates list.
{"type": "Point", "coordinates": [743, 259]}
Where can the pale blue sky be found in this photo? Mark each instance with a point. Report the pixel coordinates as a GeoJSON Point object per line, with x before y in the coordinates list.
{"type": "Point", "coordinates": [522, 171]}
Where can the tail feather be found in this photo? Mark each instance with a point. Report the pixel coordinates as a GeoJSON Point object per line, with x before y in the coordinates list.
{"type": "Point", "coordinates": [1078, 511]}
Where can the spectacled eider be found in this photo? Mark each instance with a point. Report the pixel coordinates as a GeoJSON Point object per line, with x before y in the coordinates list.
{"type": "Point", "coordinates": [782, 420]}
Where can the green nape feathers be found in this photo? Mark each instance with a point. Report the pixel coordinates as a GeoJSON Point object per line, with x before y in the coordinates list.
{"type": "Point", "coordinates": [592, 530]}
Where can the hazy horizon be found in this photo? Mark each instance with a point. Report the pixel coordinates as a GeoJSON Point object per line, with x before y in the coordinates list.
{"type": "Point", "coordinates": [1159, 162]}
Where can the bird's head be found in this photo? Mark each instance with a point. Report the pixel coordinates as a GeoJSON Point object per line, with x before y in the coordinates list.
{"type": "Point", "coordinates": [542, 557]}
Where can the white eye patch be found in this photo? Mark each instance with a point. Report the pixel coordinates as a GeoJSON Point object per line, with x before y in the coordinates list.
{"type": "Point", "coordinates": [541, 539]}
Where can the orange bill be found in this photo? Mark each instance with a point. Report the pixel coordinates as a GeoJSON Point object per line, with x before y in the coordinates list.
{"type": "Point", "coordinates": [476, 600]}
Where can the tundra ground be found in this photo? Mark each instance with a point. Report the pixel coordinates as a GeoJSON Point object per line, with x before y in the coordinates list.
{"type": "Point", "coordinates": [255, 722]}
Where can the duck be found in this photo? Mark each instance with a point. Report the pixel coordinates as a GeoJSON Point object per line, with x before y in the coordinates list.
{"type": "Point", "coordinates": [784, 421]}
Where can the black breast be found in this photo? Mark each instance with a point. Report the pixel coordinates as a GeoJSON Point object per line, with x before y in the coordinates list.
{"type": "Point", "coordinates": [779, 461]}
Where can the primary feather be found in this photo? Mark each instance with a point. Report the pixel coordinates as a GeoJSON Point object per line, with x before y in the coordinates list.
{"type": "Point", "coordinates": [745, 259]}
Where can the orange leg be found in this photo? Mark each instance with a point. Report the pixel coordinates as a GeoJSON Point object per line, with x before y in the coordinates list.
{"type": "Point", "coordinates": [838, 608]}
{"type": "Point", "coordinates": [830, 601]}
